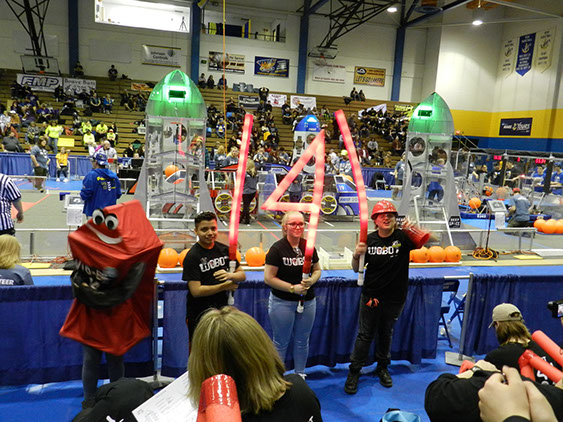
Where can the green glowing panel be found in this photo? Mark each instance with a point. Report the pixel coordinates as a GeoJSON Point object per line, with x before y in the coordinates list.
{"type": "Point", "coordinates": [432, 116]}
{"type": "Point", "coordinates": [176, 95]}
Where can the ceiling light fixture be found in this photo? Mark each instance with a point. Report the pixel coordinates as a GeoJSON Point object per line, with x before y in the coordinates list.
{"type": "Point", "coordinates": [392, 9]}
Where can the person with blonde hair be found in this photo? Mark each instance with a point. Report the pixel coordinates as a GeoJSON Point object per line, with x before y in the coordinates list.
{"type": "Point", "coordinates": [249, 191]}
{"type": "Point", "coordinates": [292, 304]}
{"type": "Point", "coordinates": [231, 342]}
{"type": "Point", "coordinates": [12, 274]}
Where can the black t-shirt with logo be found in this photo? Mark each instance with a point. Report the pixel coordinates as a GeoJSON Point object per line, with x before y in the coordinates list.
{"type": "Point", "coordinates": [199, 265]}
{"type": "Point", "coordinates": [289, 262]}
{"type": "Point", "coordinates": [387, 272]}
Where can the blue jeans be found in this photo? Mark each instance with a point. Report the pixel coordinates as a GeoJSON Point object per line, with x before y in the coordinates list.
{"type": "Point", "coordinates": [90, 369]}
{"type": "Point", "coordinates": [285, 320]}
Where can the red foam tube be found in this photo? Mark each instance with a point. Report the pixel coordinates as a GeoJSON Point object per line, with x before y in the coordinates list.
{"type": "Point", "coordinates": [237, 194]}
{"type": "Point", "coordinates": [541, 365]}
{"type": "Point", "coordinates": [466, 365]}
{"type": "Point", "coordinates": [418, 236]}
{"type": "Point", "coordinates": [549, 346]}
{"type": "Point", "coordinates": [219, 400]}
{"type": "Point", "coordinates": [528, 372]}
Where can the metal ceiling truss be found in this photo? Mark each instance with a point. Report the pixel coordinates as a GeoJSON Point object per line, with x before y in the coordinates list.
{"type": "Point", "coordinates": [349, 14]}
{"type": "Point", "coordinates": [27, 12]}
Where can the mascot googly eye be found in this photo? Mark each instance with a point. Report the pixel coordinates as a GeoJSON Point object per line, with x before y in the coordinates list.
{"type": "Point", "coordinates": [112, 222]}
{"type": "Point", "coordinates": [98, 216]}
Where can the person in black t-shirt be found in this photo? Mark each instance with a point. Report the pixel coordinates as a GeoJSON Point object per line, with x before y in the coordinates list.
{"type": "Point", "coordinates": [383, 294]}
{"type": "Point", "coordinates": [292, 303]}
{"type": "Point", "coordinates": [231, 342]}
{"type": "Point", "coordinates": [514, 339]}
{"type": "Point", "coordinates": [206, 269]}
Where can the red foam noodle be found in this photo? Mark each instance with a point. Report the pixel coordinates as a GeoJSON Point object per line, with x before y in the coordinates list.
{"type": "Point", "coordinates": [239, 186]}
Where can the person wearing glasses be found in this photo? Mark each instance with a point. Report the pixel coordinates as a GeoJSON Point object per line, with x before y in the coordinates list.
{"type": "Point", "coordinates": [292, 303]}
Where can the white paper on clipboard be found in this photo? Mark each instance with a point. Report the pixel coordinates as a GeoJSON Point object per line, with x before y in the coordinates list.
{"type": "Point", "coordinates": [171, 404]}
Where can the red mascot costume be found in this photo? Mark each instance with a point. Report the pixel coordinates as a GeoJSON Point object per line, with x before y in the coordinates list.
{"type": "Point", "coordinates": [116, 253]}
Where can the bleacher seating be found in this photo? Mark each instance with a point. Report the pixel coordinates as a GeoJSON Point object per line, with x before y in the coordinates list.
{"type": "Point", "coordinates": [124, 119]}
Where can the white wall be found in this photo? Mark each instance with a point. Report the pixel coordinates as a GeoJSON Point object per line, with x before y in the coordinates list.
{"type": "Point", "coordinates": [467, 66]}
{"type": "Point", "coordinates": [432, 50]}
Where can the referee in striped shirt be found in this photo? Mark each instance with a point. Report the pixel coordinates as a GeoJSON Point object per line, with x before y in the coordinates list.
{"type": "Point", "coordinates": [9, 194]}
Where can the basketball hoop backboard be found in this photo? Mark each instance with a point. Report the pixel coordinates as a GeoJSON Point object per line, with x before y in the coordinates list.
{"type": "Point", "coordinates": [326, 53]}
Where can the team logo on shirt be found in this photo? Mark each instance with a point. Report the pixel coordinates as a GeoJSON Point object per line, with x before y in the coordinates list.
{"type": "Point", "coordinates": [385, 250]}
{"type": "Point", "coordinates": [205, 265]}
{"type": "Point", "coordinates": [293, 262]}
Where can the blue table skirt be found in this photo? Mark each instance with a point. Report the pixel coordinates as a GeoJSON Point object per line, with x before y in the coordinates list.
{"type": "Point", "coordinates": [336, 321]}
{"type": "Point", "coordinates": [529, 292]}
{"type": "Point", "coordinates": [31, 348]}
{"type": "Point", "coordinates": [14, 163]}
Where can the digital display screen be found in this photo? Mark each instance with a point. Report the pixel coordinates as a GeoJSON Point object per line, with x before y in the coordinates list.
{"type": "Point", "coordinates": [177, 94]}
{"type": "Point", "coordinates": [424, 113]}
{"type": "Point", "coordinates": [541, 160]}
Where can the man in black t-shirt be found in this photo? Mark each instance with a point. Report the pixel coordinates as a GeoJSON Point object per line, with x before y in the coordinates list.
{"type": "Point", "coordinates": [383, 294]}
{"type": "Point", "coordinates": [206, 269]}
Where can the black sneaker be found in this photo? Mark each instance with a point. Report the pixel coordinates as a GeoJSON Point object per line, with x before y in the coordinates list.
{"type": "Point", "coordinates": [351, 385]}
{"type": "Point", "coordinates": [384, 377]}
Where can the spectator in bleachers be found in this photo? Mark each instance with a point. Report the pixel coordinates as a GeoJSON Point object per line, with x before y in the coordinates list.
{"type": "Point", "coordinates": [387, 160]}
{"type": "Point", "coordinates": [283, 156]}
{"type": "Point", "coordinates": [201, 82]}
{"type": "Point", "coordinates": [78, 70]}
{"type": "Point", "coordinates": [89, 141]}
{"type": "Point", "coordinates": [101, 131]}
{"type": "Point", "coordinates": [95, 103]}
{"type": "Point", "coordinates": [53, 132]}
{"type": "Point", "coordinates": [16, 90]}
{"type": "Point", "coordinates": [141, 102]}
{"type": "Point", "coordinates": [112, 73]}
{"type": "Point", "coordinates": [345, 167]}
{"type": "Point", "coordinates": [62, 165]}
{"type": "Point", "coordinates": [86, 126]}
{"type": "Point", "coordinates": [222, 83]}
{"type": "Point", "coordinates": [124, 98]}
{"type": "Point", "coordinates": [260, 158]}
{"type": "Point", "coordinates": [40, 162]}
{"type": "Point", "coordinates": [107, 104]}
{"type": "Point", "coordinates": [263, 93]}
{"type": "Point", "coordinates": [220, 128]}
{"type": "Point", "coordinates": [129, 151]}
{"type": "Point", "coordinates": [11, 144]}
{"type": "Point", "coordinates": [141, 151]}
{"type": "Point", "coordinates": [210, 82]}
{"type": "Point", "coordinates": [32, 133]}
{"type": "Point", "coordinates": [220, 157]}
{"type": "Point", "coordinates": [15, 120]}
{"type": "Point", "coordinates": [232, 157]}
{"type": "Point", "coordinates": [59, 94]}
{"type": "Point", "coordinates": [111, 137]}
{"type": "Point", "coordinates": [12, 274]}
{"type": "Point", "coordinates": [361, 95]}
{"type": "Point", "coordinates": [5, 121]}
{"type": "Point", "coordinates": [354, 94]}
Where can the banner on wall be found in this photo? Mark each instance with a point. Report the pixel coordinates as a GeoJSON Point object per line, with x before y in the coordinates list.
{"type": "Point", "coordinates": [525, 53]}
{"type": "Point", "coordinates": [249, 101]}
{"type": "Point", "coordinates": [369, 76]}
{"type": "Point", "coordinates": [544, 41]}
{"type": "Point", "coordinates": [140, 86]}
{"type": "Point", "coordinates": [308, 102]}
{"type": "Point", "coordinates": [234, 62]}
{"type": "Point", "coordinates": [40, 82]}
{"type": "Point", "coordinates": [270, 66]}
{"type": "Point", "coordinates": [160, 56]}
{"type": "Point", "coordinates": [277, 100]}
{"type": "Point", "coordinates": [516, 127]}
{"type": "Point", "coordinates": [78, 85]}
{"type": "Point", "coordinates": [329, 73]}
{"type": "Point", "coordinates": [508, 57]}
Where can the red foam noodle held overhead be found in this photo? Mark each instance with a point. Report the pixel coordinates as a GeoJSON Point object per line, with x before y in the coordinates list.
{"type": "Point", "coordinates": [316, 149]}
{"type": "Point", "coordinates": [360, 186]}
{"type": "Point", "coordinates": [239, 186]}
{"type": "Point", "coordinates": [549, 346]}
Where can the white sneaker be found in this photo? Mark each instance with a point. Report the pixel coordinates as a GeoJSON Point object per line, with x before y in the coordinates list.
{"type": "Point", "coordinates": [66, 180]}
{"type": "Point", "coordinates": [58, 180]}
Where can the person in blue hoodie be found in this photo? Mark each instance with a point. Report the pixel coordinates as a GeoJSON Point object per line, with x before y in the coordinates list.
{"type": "Point", "coordinates": [100, 187]}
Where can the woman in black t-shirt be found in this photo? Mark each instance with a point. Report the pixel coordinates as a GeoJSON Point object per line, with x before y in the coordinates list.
{"type": "Point", "coordinates": [231, 342]}
{"type": "Point", "coordinates": [292, 303]}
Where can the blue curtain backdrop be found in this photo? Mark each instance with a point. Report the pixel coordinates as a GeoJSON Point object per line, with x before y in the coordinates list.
{"type": "Point", "coordinates": [530, 293]}
{"type": "Point", "coordinates": [336, 321]}
{"type": "Point", "coordinates": [14, 163]}
{"type": "Point", "coordinates": [32, 350]}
